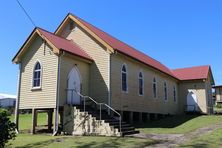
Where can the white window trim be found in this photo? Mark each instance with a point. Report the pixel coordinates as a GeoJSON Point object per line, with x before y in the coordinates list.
{"type": "Point", "coordinates": [165, 93]}
{"type": "Point", "coordinates": [127, 89]}
{"type": "Point", "coordinates": [156, 87]}
{"type": "Point", "coordinates": [33, 70]}
{"type": "Point", "coordinates": [175, 90]}
{"type": "Point", "coordinates": [139, 83]}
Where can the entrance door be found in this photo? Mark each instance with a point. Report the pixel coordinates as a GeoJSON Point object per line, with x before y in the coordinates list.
{"type": "Point", "coordinates": [191, 101]}
{"type": "Point", "coordinates": [74, 83]}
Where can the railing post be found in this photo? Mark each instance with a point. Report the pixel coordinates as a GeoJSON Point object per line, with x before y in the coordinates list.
{"type": "Point", "coordinates": [100, 112]}
{"type": "Point", "coordinates": [100, 108]}
{"type": "Point", "coordinates": [84, 104]}
{"type": "Point", "coordinates": [120, 130]}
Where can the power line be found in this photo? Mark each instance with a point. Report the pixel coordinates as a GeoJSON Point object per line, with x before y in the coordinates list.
{"type": "Point", "coordinates": [29, 17]}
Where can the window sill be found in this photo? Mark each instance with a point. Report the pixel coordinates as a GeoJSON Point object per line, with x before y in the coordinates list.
{"type": "Point", "coordinates": [125, 92]}
{"type": "Point", "coordinates": [36, 89]}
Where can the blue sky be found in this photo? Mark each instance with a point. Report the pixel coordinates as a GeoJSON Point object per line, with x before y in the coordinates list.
{"type": "Point", "coordinates": [178, 33]}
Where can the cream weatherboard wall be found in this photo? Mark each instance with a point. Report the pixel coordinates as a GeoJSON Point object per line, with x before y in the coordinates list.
{"type": "Point", "coordinates": [131, 101]}
{"type": "Point", "coordinates": [99, 69]}
{"type": "Point", "coordinates": [46, 97]}
{"type": "Point", "coordinates": [196, 86]}
{"type": "Point", "coordinates": [67, 63]}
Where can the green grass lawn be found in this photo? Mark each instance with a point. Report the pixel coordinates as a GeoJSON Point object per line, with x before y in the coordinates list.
{"type": "Point", "coordinates": [178, 124]}
{"type": "Point", "coordinates": [42, 140]}
{"type": "Point", "coordinates": [212, 140]}
{"type": "Point", "coordinates": [25, 120]}
{"type": "Point", "coordinates": [32, 141]}
{"type": "Point", "coordinates": [175, 124]}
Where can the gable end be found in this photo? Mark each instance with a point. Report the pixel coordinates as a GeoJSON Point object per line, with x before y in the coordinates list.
{"type": "Point", "coordinates": [28, 42]}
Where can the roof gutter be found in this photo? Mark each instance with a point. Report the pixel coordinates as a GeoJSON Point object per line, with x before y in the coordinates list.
{"type": "Point", "coordinates": [90, 60]}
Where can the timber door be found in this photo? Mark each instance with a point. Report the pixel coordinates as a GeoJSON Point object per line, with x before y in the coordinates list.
{"type": "Point", "coordinates": [74, 84]}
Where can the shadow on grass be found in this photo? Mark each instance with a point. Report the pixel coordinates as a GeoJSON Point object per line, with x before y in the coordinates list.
{"type": "Point", "coordinates": [42, 143]}
{"type": "Point", "coordinates": [109, 143]}
{"type": "Point", "coordinates": [168, 122]}
{"type": "Point", "coordinates": [196, 146]}
{"type": "Point", "coordinates": [204, 143]}
{"type": "Point", "coordinates": [115, 143]}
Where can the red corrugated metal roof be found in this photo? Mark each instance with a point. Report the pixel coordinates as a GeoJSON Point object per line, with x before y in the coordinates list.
{"type": "Point", "coordinates": [126, 49]}
{"type": "Point", "coordinates": [192, 73]}
{"type": "Point", "coordinates": [64, 44]}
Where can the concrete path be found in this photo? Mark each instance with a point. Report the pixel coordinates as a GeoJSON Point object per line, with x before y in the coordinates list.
{"type": "Point", "coordinates": [174, 140]}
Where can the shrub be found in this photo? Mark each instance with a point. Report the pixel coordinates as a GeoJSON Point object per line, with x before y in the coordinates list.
{"type": "Point", "coordinates": [7, 128]}
{"type": "Point", "coordinates": [219, 105]}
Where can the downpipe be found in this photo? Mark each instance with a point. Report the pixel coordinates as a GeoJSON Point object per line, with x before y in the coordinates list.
{"type": "Point", "coordinates": [57, 99]}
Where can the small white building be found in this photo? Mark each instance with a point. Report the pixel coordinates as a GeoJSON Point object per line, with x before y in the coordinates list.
{"type": "Point", "coordinates": [7, 100]}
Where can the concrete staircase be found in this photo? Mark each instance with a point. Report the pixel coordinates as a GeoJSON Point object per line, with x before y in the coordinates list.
{"type": "Point", "coordinates": [126, 129]}
{"type": "Point", "coordinates": [77, 122]}
{"type": "Point", "coordinates": [88, 120]}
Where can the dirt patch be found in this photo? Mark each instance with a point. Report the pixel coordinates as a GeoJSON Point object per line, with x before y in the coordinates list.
{"type": "Point", "coordinates": [174, 140]}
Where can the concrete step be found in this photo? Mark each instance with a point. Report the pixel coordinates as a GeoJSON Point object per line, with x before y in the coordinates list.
{"type": "Point", "coordinates": [113, 123]}
{"type": "Point", "coordinates": [123, 125]}
{"type": "Point", "coordinates": [124, 133]}
{"type": "Point", "coordinates": [108, 120]}
{"type": "Point", "coordinates": [126, 129]}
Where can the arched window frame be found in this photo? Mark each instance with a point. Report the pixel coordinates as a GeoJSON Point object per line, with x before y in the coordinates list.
{"type": "Point", "coordinates": [140, 83]}
{"type": "Point", "coordinates": [154, 88]}
{"type": "Point", "coordinates": [174, 94]}
{"type": "Point", "coordinates": [124, 73]}
{"type": "Point", "coordinates": [165, 91]}
{"type": "Point", "coordinates": [40, 76]}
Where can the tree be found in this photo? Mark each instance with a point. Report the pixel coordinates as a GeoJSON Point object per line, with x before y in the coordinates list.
{"type": "Point", "coordinates": [7, 128]}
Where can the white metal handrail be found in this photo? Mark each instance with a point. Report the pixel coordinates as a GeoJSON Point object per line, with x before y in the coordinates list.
{"type": "Point", "coordinates": [111, 109]}
{"type": "Point", "coordinates": [120, 118]}
{"type": "Point", "coordinates": [97, 103]}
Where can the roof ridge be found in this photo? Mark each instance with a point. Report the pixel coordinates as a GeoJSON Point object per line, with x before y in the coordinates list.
{"type": "Point", "coordinates": [191, 67]}
{"type": "Point", "coordinates": [49, 35]}
{"type": "Point", "coordinates": [103, 31]}
{"type": "Point", "coordinates": [192, 73]}
{"type": "Point", "coordinates": [125, 44]}
{"type": "Point", "coordinates": [52, 33]}
{"type": "Point", "coordinates": [92, 26]}
{"type": "Point", "coordinates": [114, 37]}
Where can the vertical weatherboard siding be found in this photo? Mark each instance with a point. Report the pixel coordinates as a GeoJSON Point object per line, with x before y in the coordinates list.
{"type": "Point", "coordinates": [46, 97]}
